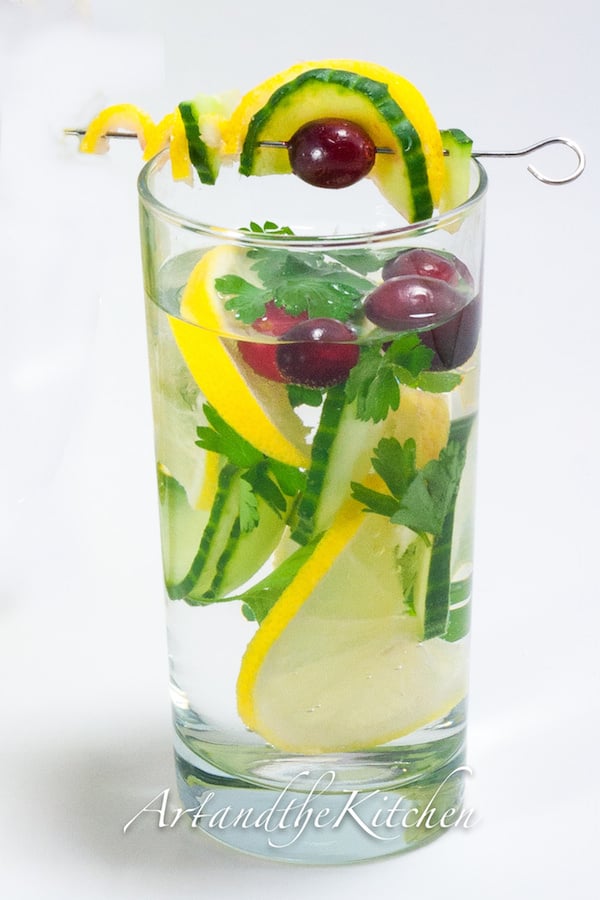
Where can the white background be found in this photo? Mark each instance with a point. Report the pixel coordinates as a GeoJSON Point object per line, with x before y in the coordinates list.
{"type": "Point", "coordinates": [85, 719]}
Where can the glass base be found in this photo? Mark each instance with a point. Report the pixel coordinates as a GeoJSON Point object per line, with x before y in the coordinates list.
{"type": "Point", "coordinates": [323, 810]}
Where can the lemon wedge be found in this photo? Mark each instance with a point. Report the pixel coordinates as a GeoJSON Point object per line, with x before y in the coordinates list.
{"type": "Point", "coordinates": [258, 409]}
{"type": "Point", "coordinates": [337, 664]}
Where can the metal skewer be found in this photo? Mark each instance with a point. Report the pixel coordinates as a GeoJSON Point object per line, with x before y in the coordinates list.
{"type": "Point", "coordinates": [490, 154]}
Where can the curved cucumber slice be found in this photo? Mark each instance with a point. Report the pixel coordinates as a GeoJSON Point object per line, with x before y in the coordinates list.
{"type": "Point", "coordinates": [341, 454]}
{"type": "Point", "coordinates": [181, 528]}
{"type": "Point", "coordinates": [206, 557]}
{"type": "Point", "coordinates": [457, 168]}
{"type": "Point", "coordinates": [401, 176]}
{"type": "Point", "coordinates": [433, 588]}
{"type": "Point", "coordinates": [201, 118]}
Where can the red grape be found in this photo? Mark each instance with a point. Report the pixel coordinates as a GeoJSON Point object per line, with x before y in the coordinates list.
{"type": "Point", "coordinates": [421, 261]}
{"type": "Point", "coordinates": [331, 153]}
{"type": "Point", "coordinates": [454, 342]}
{"type": "Point", "coordinates": [320, 353]}
{"type": "Point", "coordinates": [276, 320]}
{"type": "Point", "coordinates": [261, 357]}
{"type": "Point", "coordinates": [411, 302]}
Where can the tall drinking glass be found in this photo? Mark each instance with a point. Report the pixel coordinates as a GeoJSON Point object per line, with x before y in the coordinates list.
{"type": "Point", "coordinates": [314, 373]}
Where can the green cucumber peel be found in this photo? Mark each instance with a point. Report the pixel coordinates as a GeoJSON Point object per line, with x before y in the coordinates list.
{"type": "Point", "coordinates": [202, 157]}
{"type": "Point", "coordinates": [407, 141]}
{"type": "Point", "coordinates": [203, 560]}
{"type": "Point", "coordinates": [321, 458]}
{"type": "Point", "coordinates": [438, 597]}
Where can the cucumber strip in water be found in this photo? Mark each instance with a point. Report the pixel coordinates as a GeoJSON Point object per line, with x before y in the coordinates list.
{"type": "Point", "coordinates": [432, 606]}
{"type": "Point", "coordinates": [341, 454]}
{"type": "Point", "coordinates": [218, 528]}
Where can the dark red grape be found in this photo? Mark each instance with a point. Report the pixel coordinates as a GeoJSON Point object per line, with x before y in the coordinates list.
{"type": "Point", "coordinates": [454, 342]}
{"type": "Point", "coordinates": [411, 302]}
{"type": "Point", "coordinates": [261, 357]}
{"type": "Point", "coordinates": [421, 261]}
{"type": "Point", "coordinates": [320, 353]}
{"type": "Point", "coordinates": [331, 153]}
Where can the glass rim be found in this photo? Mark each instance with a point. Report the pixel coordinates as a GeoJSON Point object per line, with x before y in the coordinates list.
{"type": "Point", "coordinates": [249, 238]}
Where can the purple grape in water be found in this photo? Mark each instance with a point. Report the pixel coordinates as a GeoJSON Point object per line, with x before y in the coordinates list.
{"type": "Point", "coordinates": [412, 302]}
{"type": "Point", "coordinates": [320, 354]}
{"type": "Point", "coordinates": [421, 261]}
{"type": "Point", "coordinates": [454, 342]}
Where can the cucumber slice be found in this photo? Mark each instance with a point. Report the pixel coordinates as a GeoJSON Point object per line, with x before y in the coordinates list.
{"type": "Point", "coordinates": [201, 119]}
{"type": "Point", "coordinates": [245, 553]}
{"type": "Point", "coordinates": [204, 159]}
{"type": "Point", "coordinates": [208, 559]}
{"type": "Point", "coordinates": [214, 538]}
{"type": "Point", "coordinates": [341, 453]}
{"type": "Point", "coordinates": [432, 602]}
{"type": "Point", "coordinates": [457, 168]}
{"type": "Point", "coordinates": [181, 528]}
{"type": "Point", "coordinates": [401, 176]}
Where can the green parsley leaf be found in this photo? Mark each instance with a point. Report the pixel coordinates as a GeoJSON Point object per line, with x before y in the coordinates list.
{"type": "Point", "coordinates": [290, 480]}
{"type": "Point", "coordinates": [428, 498]}
{"type": "Point", "coordinates": [375, 380]}
{"type": "Point", "coordinates": [396, 464]}
{"type": "Point", "coordinates": [409, 353]}
{"type": "Point", "coordinates": [222, 438]}
{"type": "Point", "coordinates": [318, 284]}
{"type": "Point", "coordinates": [259, 599]}
{"type": "Point", "coordinates": [438, 382]}
{"type": "Point", "coordinates": [265, 477]}
{"type": "Point", "coordinates": [248, 507]}
{"type": "Point", "coordinates": [267, 228]}
{"type": "Point", "coordinates": [264, 486]}
{"type": "Point", "coordinates": [374, 501]}
{"type": "Point", "coordinates": [246, 301]}
{"type": "Point", "coordinates": [419, 498]}
{"type": "Point", "coordinates": [299, 395]}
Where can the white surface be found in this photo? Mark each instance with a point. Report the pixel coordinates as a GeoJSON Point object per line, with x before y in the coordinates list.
{"type": "Point", "coordinates": [85, 719]}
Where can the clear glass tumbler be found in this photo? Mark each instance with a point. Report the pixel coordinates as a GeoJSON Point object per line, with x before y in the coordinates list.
{"type": "Point", "coordinates": [314, 374]}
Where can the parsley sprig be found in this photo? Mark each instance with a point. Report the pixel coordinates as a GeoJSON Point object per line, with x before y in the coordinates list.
{"type": "Point", "coordinates": [261, 476]}
{"type": "Point", "coordinates": [324, 284]}
{"type": "Point", "coordinates": [375, 380]}
{"type": "Point", "coordinates": [418, 498]}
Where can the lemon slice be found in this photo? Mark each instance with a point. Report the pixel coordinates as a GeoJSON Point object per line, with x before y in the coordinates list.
{"type": "Point", "coordinates": [258, 409]}
{"type": "Point", "coordinates": [337, 664]}
{"type": "Point", "coordinates": [406, 95]}
{"type": "Point", "coordinates": [425, 418]}
{"type": "Point", "coordinates": [121, 117]}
